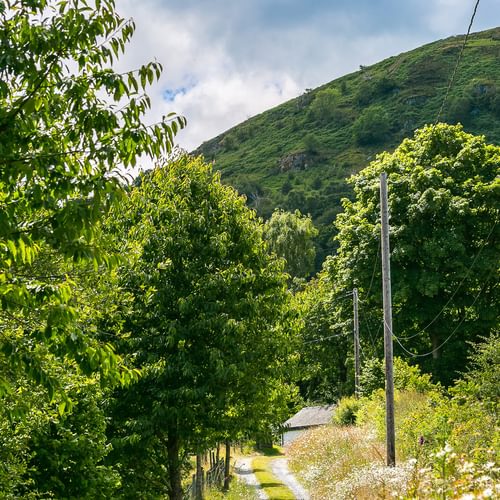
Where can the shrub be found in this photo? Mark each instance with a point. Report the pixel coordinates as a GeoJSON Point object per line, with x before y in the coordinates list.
{"type": "Point", "coordinates": [459, 110]}
{"type": "Point", "coordinates": [345, 413]}
{"type": "Point", "coordinates": [311, 143]}
{"type": "Point", "coordinates": [325, 104]}
{"type": "Point", "coordinates": [372, 126]}
{"type": "Point", "coordinates": [405, 377]}
{"type": "Point", "coordinates": [369, 90]}
{"type": "Point", "coordinates": [286, 187]}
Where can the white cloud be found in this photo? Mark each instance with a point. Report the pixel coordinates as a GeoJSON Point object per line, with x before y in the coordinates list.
{"type": "Point", "coordinates": [217, 104]}
{"type": "Point", "coordinates": [227, 60]}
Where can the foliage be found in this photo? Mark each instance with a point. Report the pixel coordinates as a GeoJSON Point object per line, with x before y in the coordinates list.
{"type": "Point", "coordinates": [447, 442]}
{"type": "Point", "coordinates": [371, 126]}
{"type": "Point", "coordinates": [451, 475]}
{"type": "Point", "coordinates": [406, 377]}
{"type": "Point", "coordinates": [67, 121]}
{"type": "Point", "coordinates": [48, 450]}
{"type": "Point", "coordinates": [311, 143]}
{"type": "Point", "coordinates": [325, 362]}
{"type": "Point", "coordinates": [409, 87]}
{"type": "Point", "coordinates": [291, 236]}
{"type": "Point", "coordinates": [209, 325]}
{"type": "Point", "coordinates": [372, 88]}
{"type": "Point", "coordinates": [324, 107]}
{"type": "Point", "coordinates": [443, 187]}
{"type": "Point", "coordinates": [67, 451]}
{"type": "Point", "coordinates": [481, 380]}
{"type": "Point", "coordinates": [346, 410]}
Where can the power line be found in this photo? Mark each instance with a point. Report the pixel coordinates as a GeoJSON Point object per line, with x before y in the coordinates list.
{"type": "Point", "coordinates": [458, 286]}
{"type": "Point", "coordinates": [374, 269]}
{"type": "Point", "coordinates": [345, 296]}
{"type": "Point", "coordinates": [320, 339]}
{"type": "Point", "coordinates": [452, 79]}
{"type": "Point", "coordinates": [415, 355]}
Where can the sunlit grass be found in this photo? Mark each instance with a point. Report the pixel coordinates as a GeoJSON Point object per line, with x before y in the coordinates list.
{"type": "Point", "coordinates": [273, 487]}
{"type": "Point", "coordinates": [238, 490]}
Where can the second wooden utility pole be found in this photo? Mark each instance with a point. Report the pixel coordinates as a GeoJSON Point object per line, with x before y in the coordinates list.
{"type": "Point", "coordinates": [387, 300]}
{"type": "Point", "coordinates": [356, 342]}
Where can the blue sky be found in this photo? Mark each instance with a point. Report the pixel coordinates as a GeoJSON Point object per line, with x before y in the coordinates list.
{"type": "Point", "coordinates": [227, 60]}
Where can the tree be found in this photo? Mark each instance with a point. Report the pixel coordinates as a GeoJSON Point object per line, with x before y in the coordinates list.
{"type": "Point", "coordinates": [210, 323]}
{"type": "Point", "coordinates": [68, 123]}
{"type": "Point", "coordinates": [371, 126]}
{"type": "Point", "coordinates": [325, 370]}
{"type": "Point", "coordinates": [291, 236]}
{"type": "Point", "coordinates": [443, 197]}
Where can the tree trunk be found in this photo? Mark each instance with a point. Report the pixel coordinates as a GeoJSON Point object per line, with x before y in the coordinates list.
{"type": "Point", "coordinates": [227, 466]}
{"type": "Point", "coordinates": [174, 468]}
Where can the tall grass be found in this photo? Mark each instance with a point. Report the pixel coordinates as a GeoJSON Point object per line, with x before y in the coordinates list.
{"type": "Point", "coordinates": [348, 462]}
{"type": "Point", "coordinates": [345, 462]}
{"type": "Point", "coordinates": [238, 491]}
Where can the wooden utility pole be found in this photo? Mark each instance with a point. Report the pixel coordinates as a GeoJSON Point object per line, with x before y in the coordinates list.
{"type": "Point", "coordinates": [356, 342]}
{"type": "Point", "coordinates": [387, 300]}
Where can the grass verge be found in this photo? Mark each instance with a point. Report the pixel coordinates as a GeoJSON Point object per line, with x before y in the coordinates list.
{"type": "Point", "coordinates": [273, 487]}
{"type": "Point", "coordinates": [238, 490]}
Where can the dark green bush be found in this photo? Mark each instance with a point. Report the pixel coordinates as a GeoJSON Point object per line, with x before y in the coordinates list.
{"type": "Point", "coordinates": [372, 126]}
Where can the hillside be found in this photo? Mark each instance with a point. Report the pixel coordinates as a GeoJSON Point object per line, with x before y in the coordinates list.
{"type": "Point", "coordinates": [299, 154]}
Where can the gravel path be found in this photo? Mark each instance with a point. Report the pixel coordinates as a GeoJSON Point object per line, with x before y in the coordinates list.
{"type": "Point", "coordinates": [243, 469]}
{"type": "Point", "coordinates": [279, 467]}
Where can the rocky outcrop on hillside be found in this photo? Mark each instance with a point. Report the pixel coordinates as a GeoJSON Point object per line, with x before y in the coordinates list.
{"type": "Point", "coordinates": [294, 161]}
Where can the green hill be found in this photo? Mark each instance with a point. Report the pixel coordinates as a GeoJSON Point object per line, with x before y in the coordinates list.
{"type": "Point", "coordinates": [299, 154]}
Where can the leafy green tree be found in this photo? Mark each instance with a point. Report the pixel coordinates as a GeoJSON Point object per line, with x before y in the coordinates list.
{"type": "Point", "coordinates": [371, 126]}
{"type": "Point", "coordinates": [209, 326]}
{"type": "Point", "coordinates": [68, 122]}
{"type": "Point", "coordinates": [47, 450]}
{"type": "Point", "coordinates": [325, 361]}
{"type": "Point", "coordinates": [68, 450]}
{"type": "Point", "coordinates": [444, 187]}
{"type": "Point", "coordinates": [291, 236]}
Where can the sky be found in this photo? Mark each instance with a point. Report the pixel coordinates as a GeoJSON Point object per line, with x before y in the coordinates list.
{"type": "Point", "coordinates": [227, 60]}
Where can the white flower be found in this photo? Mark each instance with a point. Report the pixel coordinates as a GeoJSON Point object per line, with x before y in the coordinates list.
{"type": "Point", "coordinates": [467, 467]}
{"type": "Point", "coordinates": [467, 496]}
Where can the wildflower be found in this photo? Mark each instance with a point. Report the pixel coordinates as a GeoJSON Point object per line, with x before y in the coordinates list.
{"type": "Point", "coordinates": [487, 493]}
{"type": "Point", "coordinates": [484, 479]}
{"type": "Point", "coordinates": [467, 467]}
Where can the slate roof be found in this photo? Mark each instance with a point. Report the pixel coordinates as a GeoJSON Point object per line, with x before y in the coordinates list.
{"type": "Point", "coordinates": [311, 416]}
